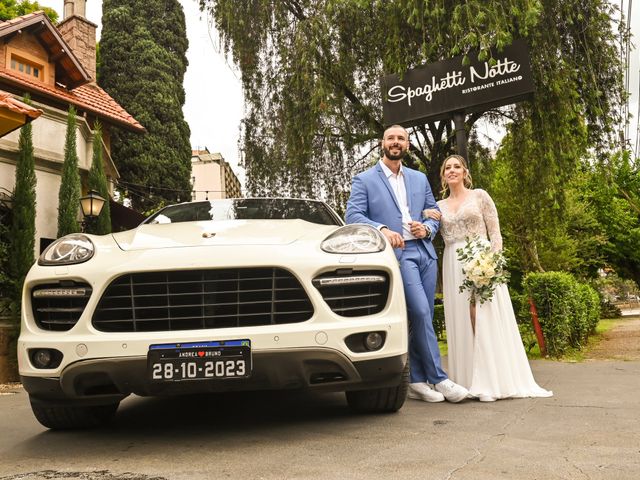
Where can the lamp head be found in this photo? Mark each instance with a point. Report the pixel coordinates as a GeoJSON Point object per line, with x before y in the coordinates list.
{"type": "Point", "coordinates": [91, 204]}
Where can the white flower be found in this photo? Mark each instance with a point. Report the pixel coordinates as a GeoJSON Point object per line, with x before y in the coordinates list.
{"type": "Point", "coordinates": [482, 268]}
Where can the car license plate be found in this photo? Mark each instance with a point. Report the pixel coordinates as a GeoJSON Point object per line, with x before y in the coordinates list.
{"type": "Point", "coordinates": [176, 362]}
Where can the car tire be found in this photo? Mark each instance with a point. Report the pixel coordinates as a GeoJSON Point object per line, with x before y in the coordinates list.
{"type": "Point", "coordinates": [66, 417]}
{"type": "Point", "coordinates": [380, 400]}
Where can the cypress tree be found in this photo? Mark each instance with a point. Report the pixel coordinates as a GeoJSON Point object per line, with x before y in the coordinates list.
{"type": "Point", "coordinates": [142, 64]}
{"type": "Point", "coordinates": [23, 224]}
{"type": "Point", "coordinates": [69, 195]}
{"type": "Point", "coordinates": [98, 182]}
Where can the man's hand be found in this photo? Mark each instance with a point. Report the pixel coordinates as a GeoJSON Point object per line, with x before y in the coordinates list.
{"type": "Point", "coordinates": [394, 238]}
{"type": "Point", "coordinates": [418, 229]}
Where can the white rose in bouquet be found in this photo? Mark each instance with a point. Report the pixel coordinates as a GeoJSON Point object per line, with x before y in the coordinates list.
{"type": "Point", "coordinates": [482, 268]}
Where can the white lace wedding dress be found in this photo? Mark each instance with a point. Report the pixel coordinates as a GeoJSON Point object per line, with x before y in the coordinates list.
{"type": "Point", "coordinates": [492, 364]}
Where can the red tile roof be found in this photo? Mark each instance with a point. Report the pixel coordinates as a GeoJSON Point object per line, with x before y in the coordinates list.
{"type": "Point", "coordinates": [89, 97]}
{"type": "Point", "coordinates": [13, 21]}
{"type": "Point", "coordinates": [7, 101]}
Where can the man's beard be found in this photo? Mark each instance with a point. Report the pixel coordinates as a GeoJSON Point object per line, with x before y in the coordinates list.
{"type": "Point", "coordinates": [391, 156]}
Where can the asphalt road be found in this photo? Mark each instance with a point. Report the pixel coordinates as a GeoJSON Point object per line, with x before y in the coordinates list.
{"type": "Point", "coordinates": [590, 429]}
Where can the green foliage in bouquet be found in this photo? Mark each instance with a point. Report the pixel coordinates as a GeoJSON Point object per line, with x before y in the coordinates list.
{"type": "Point", "coordinates": [483, 269]}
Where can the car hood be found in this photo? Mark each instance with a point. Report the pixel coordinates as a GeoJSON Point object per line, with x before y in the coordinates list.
{"type": "Point", "coordinates": [220, 233]}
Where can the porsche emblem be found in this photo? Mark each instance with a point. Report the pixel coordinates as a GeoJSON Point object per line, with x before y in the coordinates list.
{"type": "Point", "coordinates": [208, 234]}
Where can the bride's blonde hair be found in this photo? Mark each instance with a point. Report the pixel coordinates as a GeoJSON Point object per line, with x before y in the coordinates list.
{"type": "Point", "coordinates": [468, 181]}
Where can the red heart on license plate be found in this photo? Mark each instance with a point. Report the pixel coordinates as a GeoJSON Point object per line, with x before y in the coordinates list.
{"type": "Point", "coordinates": [201, 354]}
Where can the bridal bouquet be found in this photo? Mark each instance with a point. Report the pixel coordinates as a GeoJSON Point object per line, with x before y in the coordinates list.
{"type": "Point", "coordinates": [482, 269]}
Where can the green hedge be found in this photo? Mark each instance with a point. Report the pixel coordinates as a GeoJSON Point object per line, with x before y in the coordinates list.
{"type": "Point", "coordinates": [520, 302]}
{"type": "Point", "coordinates": [568, 311]}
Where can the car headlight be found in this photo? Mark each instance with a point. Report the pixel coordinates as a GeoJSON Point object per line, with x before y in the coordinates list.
{"type": "Point", "coordinates": [70, 249]}
{"type": "Point", "coordinates": [356, 238]}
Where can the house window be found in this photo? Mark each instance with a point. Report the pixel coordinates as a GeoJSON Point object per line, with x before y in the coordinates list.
{"type": "Point", "coordinates": [26, 67]}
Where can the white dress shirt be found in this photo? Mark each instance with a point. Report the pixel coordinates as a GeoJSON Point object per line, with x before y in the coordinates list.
{"type": "Point", "coordinates": [400, 191]}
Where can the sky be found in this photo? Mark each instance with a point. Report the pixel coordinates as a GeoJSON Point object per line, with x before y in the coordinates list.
{"type": "Point", "coordinates": [214, 102]}
{"type": "Point", "coordinates": [634, 70]}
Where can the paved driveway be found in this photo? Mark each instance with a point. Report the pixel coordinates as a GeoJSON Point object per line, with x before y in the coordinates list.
{"type": "Point", "coordinates": [590, 429]}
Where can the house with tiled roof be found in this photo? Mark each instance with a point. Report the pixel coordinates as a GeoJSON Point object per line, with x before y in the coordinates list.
{"type": "Point", "coordinates": [56, 66]}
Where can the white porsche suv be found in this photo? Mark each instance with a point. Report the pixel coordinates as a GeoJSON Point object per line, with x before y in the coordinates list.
{"type": "Point", "coordinates": [215, 296]}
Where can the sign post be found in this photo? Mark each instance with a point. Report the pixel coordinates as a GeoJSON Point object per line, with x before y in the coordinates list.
{"type": "Point", "coordinates": [449, 90]}
{"type": "Point", "coordinates": [461, 135]}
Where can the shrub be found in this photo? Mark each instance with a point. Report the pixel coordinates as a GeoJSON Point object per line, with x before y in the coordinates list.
{"type": "Point", "coordinates": [568, 311]}
{"type": "Point", "coordinates": [578, 321]}
{"type": "Point", "coordinates": [520, 302]}
{"type": "Point", "coordinates": [591, 299]}
{"type": "Point", "coordinates": [69, 193]}
{"type": "Point", "coordinates": [23, 218]}
{"type": "Point", "coordinates": [98, 181]}
{"type": "Point", "coordinates": [609, 309]}
{"type": "Point", "coordinates": [552, 295]}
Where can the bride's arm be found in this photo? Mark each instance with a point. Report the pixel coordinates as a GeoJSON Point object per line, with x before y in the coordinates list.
{"type": "Point", "coordinates": [490, 215]}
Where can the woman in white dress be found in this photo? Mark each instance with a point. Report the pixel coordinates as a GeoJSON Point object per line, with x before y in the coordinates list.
{"type": "Point", "coordinates": [486, 354]}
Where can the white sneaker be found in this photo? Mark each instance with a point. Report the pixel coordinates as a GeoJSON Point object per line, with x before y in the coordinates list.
{"type": "Point", "coordinates": [451, 391]}
{"type": "Point", "coordinates": [422, 391]}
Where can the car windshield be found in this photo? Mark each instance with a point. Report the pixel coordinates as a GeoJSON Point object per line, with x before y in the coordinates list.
{"type": "Point", "coordinates": [247, 209]}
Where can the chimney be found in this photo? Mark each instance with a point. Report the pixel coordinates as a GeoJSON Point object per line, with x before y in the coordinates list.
{"type": "Point", "coordinates": [80, 34]}
{"type": "Point", "coordinates": [75, 7]}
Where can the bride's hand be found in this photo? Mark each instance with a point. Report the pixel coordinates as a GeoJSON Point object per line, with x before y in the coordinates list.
{"type": "Point", "coordinates": [432, 213]}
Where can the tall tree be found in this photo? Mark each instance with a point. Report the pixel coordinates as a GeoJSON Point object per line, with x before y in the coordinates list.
{"type": "Point", "coordinates": [12, 8]}
{"type": "Point", "coordinates": [311, 69]}
{"type": "Point", "coordinates": [69, 194]}
{"type": "Point", "coordinates": [23, 223]}
{"type": "Point", "coordinates": [613, 190]}
{"type": "Point", "coordinates": [98, 182]}
{"type": "Point", "coordinates": [142, 66]}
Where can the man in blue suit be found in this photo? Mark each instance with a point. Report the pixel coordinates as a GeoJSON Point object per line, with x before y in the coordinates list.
{"type": "Point", "coordinates": [391, 198]}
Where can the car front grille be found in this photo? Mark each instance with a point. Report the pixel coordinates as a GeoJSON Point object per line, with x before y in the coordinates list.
{"type": "Point", "coordinates": [352, 293]}
{"type": "Point", "coordinates": [201, 299]}
{"type": "Point", "coordinates": [58, 306]}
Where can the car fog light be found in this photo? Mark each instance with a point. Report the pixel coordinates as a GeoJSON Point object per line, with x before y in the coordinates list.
{"type": "Point", "coordinates": [45, 357]}
{"type": "Point", "coordinates": [373, 341]}
{"type": "Point", "coordinates": [42, 358]}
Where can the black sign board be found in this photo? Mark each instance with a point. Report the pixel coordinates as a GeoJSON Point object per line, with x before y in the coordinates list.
{"type": "Point", "coordinates": [435, 91]}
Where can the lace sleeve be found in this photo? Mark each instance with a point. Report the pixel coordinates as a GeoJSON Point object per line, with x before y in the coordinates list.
{"type": "Point", "coordinates": [490, 215]}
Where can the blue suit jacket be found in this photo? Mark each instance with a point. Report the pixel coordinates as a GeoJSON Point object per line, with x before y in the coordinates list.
{"type": "Point", "coordinates": [372, 201]}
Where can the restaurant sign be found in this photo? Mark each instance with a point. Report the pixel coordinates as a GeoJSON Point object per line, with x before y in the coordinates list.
{"type": "Point", "coordinates": [435, 91]}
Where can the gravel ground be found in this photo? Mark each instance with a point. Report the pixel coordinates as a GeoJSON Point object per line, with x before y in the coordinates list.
{"type": "Point", "coordinates": [10, 388]}
{"type": "Point", "coordinates": [619, 343]}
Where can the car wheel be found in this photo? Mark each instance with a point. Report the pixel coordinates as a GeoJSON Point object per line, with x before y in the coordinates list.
{"type": "Point", "coordinates": [380, 400]}
{"type": "Point", "coordinates": [68, 417]}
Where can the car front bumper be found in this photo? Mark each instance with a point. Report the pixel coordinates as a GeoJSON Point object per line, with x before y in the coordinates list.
{"type": "Point", "coordinates": [109, 380]}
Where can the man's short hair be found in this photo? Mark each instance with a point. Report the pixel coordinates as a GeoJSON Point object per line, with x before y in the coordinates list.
{"type": "Point", "coordinates": [395, 126]}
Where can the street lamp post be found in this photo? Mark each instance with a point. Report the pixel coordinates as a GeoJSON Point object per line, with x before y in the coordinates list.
{"type": "Point", "coordinates": [91, 205]}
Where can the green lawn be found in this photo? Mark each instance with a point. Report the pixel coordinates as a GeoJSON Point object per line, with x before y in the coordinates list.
{"type": "Point", "coordinates": [575, 356]}
{"type": "Point", "coordinates": [603, 326]}
{"type": "Point", "coordinates": [444, 349]}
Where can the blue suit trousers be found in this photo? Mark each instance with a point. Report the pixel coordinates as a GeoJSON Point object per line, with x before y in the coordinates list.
{"type": "Point", "coordinates": [419, 273]}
